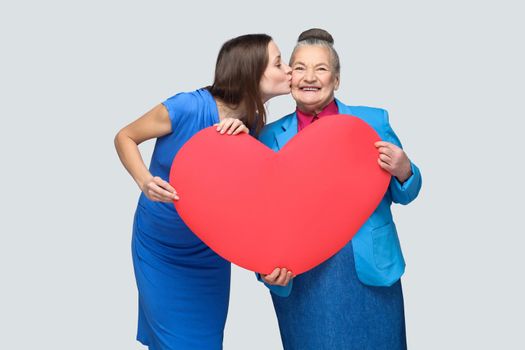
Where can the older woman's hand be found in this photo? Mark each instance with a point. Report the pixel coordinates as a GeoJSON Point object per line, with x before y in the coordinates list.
{"type": "Point", "coordinates": [231, 126]}
{"type": "Point", "coordinates": [394, 160]}
{"type": "Point", "coordinates": [279, 277]}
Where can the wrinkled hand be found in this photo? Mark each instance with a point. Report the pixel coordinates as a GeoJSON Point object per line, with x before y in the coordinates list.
{"type": "Point", "coordinates": [159, 190]}
{"type": "Point", "coordinates": [231, 126]}
{"type": "Point", "coordinates": [394, 160]}
{"type": "Point", "coordinates": [279, 277]}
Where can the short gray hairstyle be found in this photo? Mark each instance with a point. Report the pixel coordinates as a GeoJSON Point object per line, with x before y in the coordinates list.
{"type": "Point", "coordinates": [318, 37]}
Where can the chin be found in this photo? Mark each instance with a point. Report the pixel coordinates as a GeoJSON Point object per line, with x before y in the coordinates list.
{"type": "Point", "coordinates": [310, 103]}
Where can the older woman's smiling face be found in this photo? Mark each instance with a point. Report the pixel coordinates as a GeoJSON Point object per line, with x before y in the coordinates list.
{"type": "Point", "coordinates": [313, 78]}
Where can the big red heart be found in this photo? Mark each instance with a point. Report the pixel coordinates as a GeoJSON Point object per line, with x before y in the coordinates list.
{"type": "Point", "coordinates": [294, 208]}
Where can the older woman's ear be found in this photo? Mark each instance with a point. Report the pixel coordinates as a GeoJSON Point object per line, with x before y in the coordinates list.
{"type": "Point", "coordinates": [336, 85]}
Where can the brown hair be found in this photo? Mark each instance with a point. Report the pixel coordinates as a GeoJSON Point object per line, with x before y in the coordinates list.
{"type": "Point", "coordinates": [240, 66]}
{"type": "Point", "coordinates": [319, 37]}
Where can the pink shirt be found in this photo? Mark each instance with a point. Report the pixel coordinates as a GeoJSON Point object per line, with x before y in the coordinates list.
{"type": "Point", "coordinates": [304, 119]}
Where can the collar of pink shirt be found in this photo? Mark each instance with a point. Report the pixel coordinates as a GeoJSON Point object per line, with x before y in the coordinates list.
{"type": "Point", "coordinates": [305, 119]}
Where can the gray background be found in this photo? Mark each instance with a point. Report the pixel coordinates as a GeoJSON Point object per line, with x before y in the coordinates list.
{"type": "Point", "coordinates": [73, 73]}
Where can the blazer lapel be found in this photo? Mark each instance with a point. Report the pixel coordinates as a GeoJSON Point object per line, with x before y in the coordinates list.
{"type": "Point", "coordinates": [287, 131]}
{"type": "Point", "coordinates": [288, 127]}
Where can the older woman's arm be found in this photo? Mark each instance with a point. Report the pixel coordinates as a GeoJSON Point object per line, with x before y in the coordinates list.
{"type": "Point", "coordinates": [279, 282]}
{"type": "Point", "coordinates": [406, 178]}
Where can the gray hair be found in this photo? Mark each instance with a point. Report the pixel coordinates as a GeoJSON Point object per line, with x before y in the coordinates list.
{"type": "Point", "coordinates": [318, 37]}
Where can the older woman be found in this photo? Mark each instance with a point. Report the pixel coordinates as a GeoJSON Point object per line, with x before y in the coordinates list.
{"type": "Point", "coordinates": [353, 300]}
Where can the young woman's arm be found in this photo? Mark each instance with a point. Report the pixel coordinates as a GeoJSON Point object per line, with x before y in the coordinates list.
{"type": "Point", "coordinates": [153, 124]}
{"type": "Point", "coordinates": [156, 123]}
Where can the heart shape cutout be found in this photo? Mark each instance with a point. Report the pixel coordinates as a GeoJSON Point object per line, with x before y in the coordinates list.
{"type": "Point", "coordinates": [294, 208]}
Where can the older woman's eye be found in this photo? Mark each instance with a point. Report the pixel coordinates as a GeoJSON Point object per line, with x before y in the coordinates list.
{"type": "Point", "coordinates": [298, 68]}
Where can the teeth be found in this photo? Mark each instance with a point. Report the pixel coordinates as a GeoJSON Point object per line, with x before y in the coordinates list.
{"type": "Point", "coordinates": [310, 89]}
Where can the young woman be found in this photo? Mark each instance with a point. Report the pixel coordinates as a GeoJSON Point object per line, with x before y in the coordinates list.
{"type": "Point", "coordinates": [183, 285]}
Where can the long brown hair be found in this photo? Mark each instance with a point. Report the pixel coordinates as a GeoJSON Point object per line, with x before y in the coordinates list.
{"type": "Point", "coordinates": [240, 66]}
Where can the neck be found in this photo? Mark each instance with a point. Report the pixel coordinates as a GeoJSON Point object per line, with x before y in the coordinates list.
{"type": "Point", "coordinates": [228, 111]}
{"type": "Point", "coordinates": [313, 110]}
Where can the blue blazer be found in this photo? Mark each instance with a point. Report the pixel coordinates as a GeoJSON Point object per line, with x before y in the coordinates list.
{"type": "Point", "coordinates": [377, 252]}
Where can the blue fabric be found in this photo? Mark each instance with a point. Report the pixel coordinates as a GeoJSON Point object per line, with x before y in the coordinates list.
{"type": "Point", "coordinates": [183, 285]}
{"type": "Point", "coordinates": [377, 252]}
{"type": "Point", "coordinates": [353, 300]}
{"type": "Point", "coordinates": [329, 308]}
{"type": "Point", "coordinates": [282, 291]}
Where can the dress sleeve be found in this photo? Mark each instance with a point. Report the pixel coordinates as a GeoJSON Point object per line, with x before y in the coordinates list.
{"type": "Point", "coordinates": [179, 108]}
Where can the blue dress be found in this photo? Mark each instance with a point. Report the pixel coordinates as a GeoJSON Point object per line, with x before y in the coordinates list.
{"type": "Point", "coordinates": [183, 285]}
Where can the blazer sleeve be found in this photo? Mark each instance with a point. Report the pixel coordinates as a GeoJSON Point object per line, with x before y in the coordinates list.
{"type": "Point", "coordinates": [406, 192]}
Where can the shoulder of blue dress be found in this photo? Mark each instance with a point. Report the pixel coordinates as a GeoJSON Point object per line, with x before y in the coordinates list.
{"type": "Point", "coordinates": [204, 92]}
{"type": "Point", "coordinates": [202, 95]}
{"type": "Point", "coordinates": [206, 101]}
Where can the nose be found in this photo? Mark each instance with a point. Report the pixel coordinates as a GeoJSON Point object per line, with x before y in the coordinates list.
{"type": "Point", "coordinates": [287, 69]}
{"type": "Point", "coordinates": [309, 75]}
